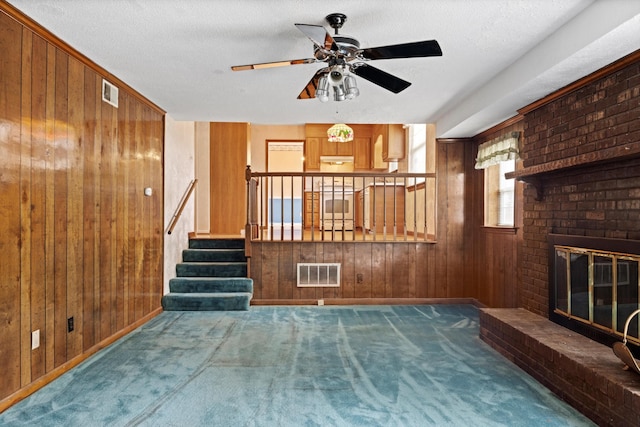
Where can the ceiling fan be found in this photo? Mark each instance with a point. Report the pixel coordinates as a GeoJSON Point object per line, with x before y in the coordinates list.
{"type": "Point", "coordinates": [343, 56]}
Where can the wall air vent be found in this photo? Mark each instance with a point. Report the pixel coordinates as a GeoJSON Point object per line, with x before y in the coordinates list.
{"type": "Point", "coordinates": [109, 93]}
{"type": "Point", "coordinates": [318, 275]}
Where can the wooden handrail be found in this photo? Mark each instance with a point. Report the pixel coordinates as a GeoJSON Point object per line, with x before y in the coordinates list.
{"type": "Point", "coordinates": [181, 205]}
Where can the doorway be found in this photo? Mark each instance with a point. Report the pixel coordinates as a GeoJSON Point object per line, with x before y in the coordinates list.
{"type": "Point", "coordinates": [285, 197]}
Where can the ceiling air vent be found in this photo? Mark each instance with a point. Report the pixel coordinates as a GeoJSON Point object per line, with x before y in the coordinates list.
{"type": "Point", "coordinates": [109, 93]}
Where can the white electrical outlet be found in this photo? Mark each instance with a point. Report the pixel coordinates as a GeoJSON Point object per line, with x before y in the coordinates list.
{"type": "Point", "coordinates": [35, 339]}
{"type": "Point", "coordinates": [320, 302]}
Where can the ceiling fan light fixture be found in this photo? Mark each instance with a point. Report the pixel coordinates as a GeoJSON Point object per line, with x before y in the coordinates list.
{"type": "Point", "coordinates": [322, 92]}
{"type": "Point", "coordinates": [338, 93]}
{"type": "Point", "coordinates": [340, 133]}
{"type": "Point", "coordinates": [350, 87]}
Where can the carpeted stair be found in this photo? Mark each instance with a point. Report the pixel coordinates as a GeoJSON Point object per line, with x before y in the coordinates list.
{"type": "Point", "coordinates": [212, 277]}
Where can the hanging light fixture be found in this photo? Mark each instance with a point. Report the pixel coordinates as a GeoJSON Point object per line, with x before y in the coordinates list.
{"type": "Point", "coordinates": [340, 133]}
{"type": "Point", "coordinates": [343, 84]}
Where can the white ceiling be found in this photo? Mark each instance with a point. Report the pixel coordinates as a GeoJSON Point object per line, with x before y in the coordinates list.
{"type": "Point", "coordinates": [498, 55]}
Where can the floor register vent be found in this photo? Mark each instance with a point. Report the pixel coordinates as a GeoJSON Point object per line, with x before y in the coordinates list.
{"type": "Point", "coordinates": [318, 275]}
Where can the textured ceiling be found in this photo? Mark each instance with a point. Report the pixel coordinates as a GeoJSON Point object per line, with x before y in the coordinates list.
{"type": "Point", "coordinates": [498, 55]}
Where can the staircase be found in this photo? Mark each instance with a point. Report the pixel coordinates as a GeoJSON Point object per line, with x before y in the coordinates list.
{"type": "Point", "coordinates": [211, 277]}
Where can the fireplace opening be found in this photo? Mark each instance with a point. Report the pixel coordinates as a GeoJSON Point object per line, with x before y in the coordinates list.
{"type": "Point", "coordinates": [594, 287]}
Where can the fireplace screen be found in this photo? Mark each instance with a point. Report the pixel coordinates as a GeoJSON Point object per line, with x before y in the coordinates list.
{"type": "Point", "coordinates": [596, 287]}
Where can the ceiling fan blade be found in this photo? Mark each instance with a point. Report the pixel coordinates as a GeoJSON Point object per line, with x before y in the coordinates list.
{"type": "Point", "coordinates": [319, 36]}
{"type": "Point", "coordinates": [273, 64]}
{"type": "Point", "coordinates": [405, 50]}
{"type": "Point", "coordinates": [381, 78]}
{"type": "Point", "coordinates": [309, 90]}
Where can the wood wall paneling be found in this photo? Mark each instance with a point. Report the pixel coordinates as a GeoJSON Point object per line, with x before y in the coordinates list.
{"type": "Point", "coordinates": [10, 294]}
{"type": "Point", "coordinates": [379, 269]}
{"type": "Point", "coordinates": [492, 273]}
{"type": "Point", "coordinates": [73, 221]}
{"type": "Point", "coordinates": [75, 211]}
{"type": "Point", "coordinates": [25, 210]}
{"type": "Point", "coordinates": [228, 142]}
{"type": "Point", "coordinates": [35, 132]}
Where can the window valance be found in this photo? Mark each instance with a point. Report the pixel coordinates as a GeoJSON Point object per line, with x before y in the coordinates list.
{"type": "Point", "coordinates": [498, 150]}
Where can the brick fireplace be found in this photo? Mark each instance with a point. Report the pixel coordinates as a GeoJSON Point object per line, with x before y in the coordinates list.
{"type": "Point", "coordinates": [581, 161]}
{"type": "Point", "coordinates": [581, 155]}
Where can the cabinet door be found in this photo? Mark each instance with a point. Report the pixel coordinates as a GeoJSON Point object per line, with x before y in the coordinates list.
{"type": "Point", "coordinates": [328, 148]}
{"type": "Point", "coordinates": [393, 148]}
{"type": "Point", "coordinates": [312, 154]}
{"type": "Point", "coordinates": [362, 153]}
{"type": "Point", "coordinates": [344, 148]}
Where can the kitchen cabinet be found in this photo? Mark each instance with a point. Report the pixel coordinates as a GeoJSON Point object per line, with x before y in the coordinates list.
{"type": "Point", "coordinates": [380, 209]}
{"type": "Point", "coordinates": [336, 148]}
{"type": "Point", "coordinates": [362, 154]}
{"type": "Point", "coordinates": [311, 209]}
{"type": "Point", "coordinates": [312, 154]}
{"type": "Point", "coordinates": [388, 144]}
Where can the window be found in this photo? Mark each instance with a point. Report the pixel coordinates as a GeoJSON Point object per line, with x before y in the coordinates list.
{"type": "Point", "coordinates": [499, 195]}
{"type": "Point", "coordinates": [421, 191]}
{"type": "Point", "coordinates": [498, 157]}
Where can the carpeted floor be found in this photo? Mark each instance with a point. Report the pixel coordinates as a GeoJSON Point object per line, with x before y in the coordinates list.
{"type": "Point", "coordinates": [299, 366]}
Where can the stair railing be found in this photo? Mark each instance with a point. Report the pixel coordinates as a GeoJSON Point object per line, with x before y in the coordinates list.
{"type": "Point", "coordinates": [181, 205]}
{"type": "Point", "coordinates": [326, 206]}
{"type": "Point", "coordinates": [251, 226]}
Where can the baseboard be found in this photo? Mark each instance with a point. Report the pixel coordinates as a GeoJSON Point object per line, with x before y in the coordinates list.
{"type": "Point", "coordinates": [368, 301]}
{"type": "Point", "coordinates": [42, 381]}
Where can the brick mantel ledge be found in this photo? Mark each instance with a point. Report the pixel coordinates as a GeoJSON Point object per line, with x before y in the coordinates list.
{"type": "Point", "coordinates": [582, 372]}
{"type": "Point", "coordinates": [535, 175]}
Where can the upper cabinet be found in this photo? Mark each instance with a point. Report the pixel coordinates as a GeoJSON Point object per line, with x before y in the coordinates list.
{"type": "Point", "coordinates": [317, 144]}
{"type": "Point", "coordinates": [362, 154]}
{"type": "Point", "coordinates": [389, 143]}
{"type": "Point", "coordinates": [336, 148]}
{"type": "Point", "coordinates": [312, 154]}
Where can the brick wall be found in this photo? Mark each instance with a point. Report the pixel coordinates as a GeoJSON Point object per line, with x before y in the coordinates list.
{"type": "Point", "coordinates": [601, 200]}
{"type": "Point", "coordinates": [600, 115]}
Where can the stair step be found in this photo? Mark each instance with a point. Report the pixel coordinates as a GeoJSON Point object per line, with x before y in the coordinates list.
{"type": "Point", "coordinates": [216, 244]}
{"type": "Point", "coordinates": [212, 255]}
{"type": "Point", "coordinates": [231, 301]}
{"type": "Point", "coordinates": [211, 269]}
{"type": "Point", "coordinates": [210, 284]}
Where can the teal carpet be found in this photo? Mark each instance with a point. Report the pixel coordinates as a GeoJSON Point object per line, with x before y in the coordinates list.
{"type": "Point", "coordinates": [299, 366]}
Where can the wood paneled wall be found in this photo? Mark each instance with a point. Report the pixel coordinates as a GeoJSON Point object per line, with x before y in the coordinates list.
{"type": "Point", "coordinates": [379, 270]}
{"type": "Point", "coordinates": [492, 269]}
{"type": "Point", "coordinates": [78, 238]}
{"type": "Point", "coordinates": [229, 144]}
